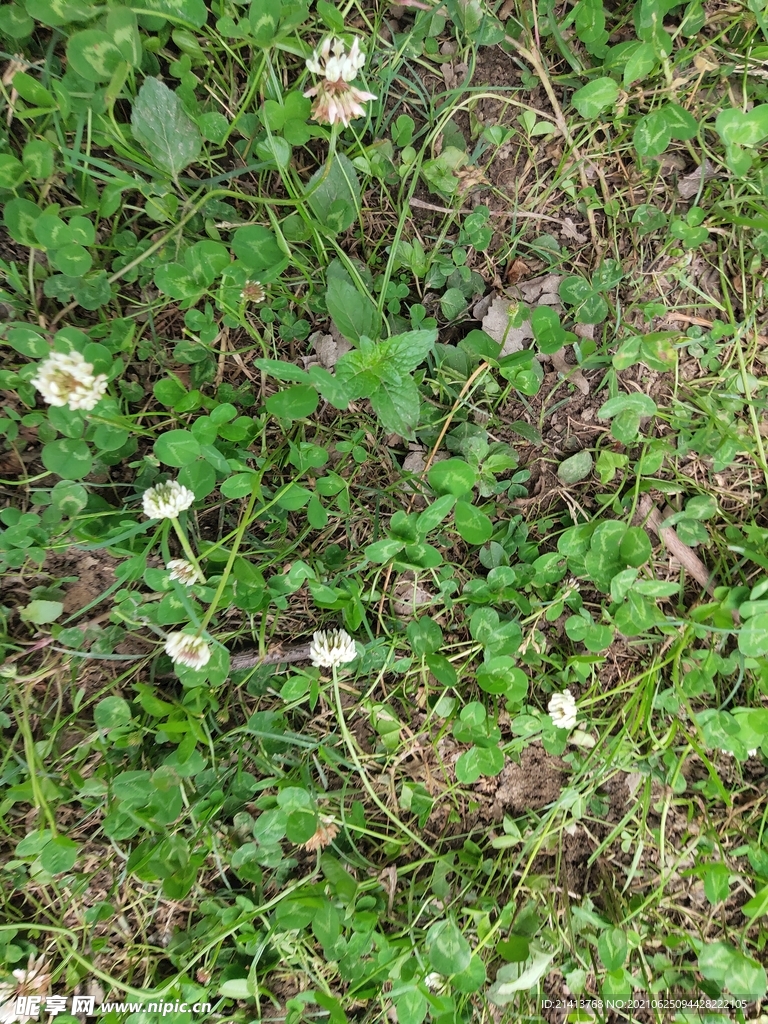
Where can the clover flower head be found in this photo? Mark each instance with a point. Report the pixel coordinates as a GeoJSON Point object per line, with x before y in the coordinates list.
{"type": "Point", "coordinates": [325, 833]}
{"type": "Point", "coordinates": [562, 710]}
{"type": "Point", "coordinates": [253, 291]}
{"type": "Point", "coordinates": [335, 99]}
{"type": "Point", "coordinates": [332, 61]}
{"type": "Point", "coordinates": [331, 647]}
{"type": "Point", "coordinates": [32, 980]}
{"type": "Point", "coordinates": [186, 649]}
{"type": "Point", "coordinates": [166, 501]}
{"type": "Point", "coordinates": [183, 571]}
{"type": "Point", "coordinates": [434, 981]}
{"type": "Point", "coordinates": [65, 378]}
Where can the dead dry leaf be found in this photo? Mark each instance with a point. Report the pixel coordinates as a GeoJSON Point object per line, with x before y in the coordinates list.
{"type": "Point", "coordinates": [496, 325]}
{"type": "Point", "coordinates": [688, 186]}
{"type": "Point", "coordinates": [573, 373]}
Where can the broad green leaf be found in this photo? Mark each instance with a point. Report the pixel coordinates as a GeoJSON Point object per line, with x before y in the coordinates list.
{"type": "Point", "coordinates": [15, 23]}
{"type": "Point", "coordinates": [717, 880]}
{"type": "Point", "coordinates": [93, 55]}
{"type": "Point", "coordinates": [205, 260]}
{"type": "Point", "coordinates": [448, 950]}
{"type": "Point", "coordinates": [452, 303]}
{"type": "Point", "coordinates": [735, 127]}
{"type": "Point", "coordinates": [59, 855]}
{"type": "Point", "coordinates": [41, 612]}
{"type": "Point", "coordinates": [122, 27]}
{"type": "Point", "coordinates": [479, 761]}
{"type": "Point", "coordinates": [301, 825]}
{"type": "Point", "coordinates": [32, 91]}
{"type": "Point", "coordinates": [407, 351]}
{"type": "Point", "coordinates": [635, 548]}
{"type": "Point", "coordinates": [472, 978]}
{"type": "Point", "coordinates": [174, 280]}
{"type": "Point", "coordinates": [257, 247]}
{"type": "Point", "coordinates": [576, 467]}
{"type": "Point", "coordinates": [333, 194]}
{"type": "Point", "coordinates": [452, 476]}
{"type": "Point", "coordinates": [69, 458]}
{"type": "Point", "coordinates": [351, 310]}
{"type": "Point", "coordinates": [514, 978]}
{"type": "Point", "coordinates": [758, 905]}
{"type": "Point", "coordinates": [176, 448]}
{"type": "Point", "coordinates": [724, 964]}
{"type": "Point", "coordinates": [425, 636]}
{"type": "Point", "coordinates": [612, 948]}
{"type": "Point", "coordinates": [411, 1005]}
{"type": "Point", "coordinates": [398, 407]}
{"type": "Point", "coordinates": [383, 550]}
{"type": "Point", "coordinates": [592, 99]}
{"type": "Point", "coordinates": [263, 17]}
{"type": "Point", "coordinates": [19, 216]}
{"type": "Point", "coordinates": [753, 636]}
{"type": "Point", "coordinates": [12, 171]}
{"type": "Point", "coordinates": [637, 615]}
{"type": "Point", "coordinates": [500, 675]}
{"type": "Point", "coordinates": [162, 127]}
{"type": "Point", "coordinates": [28, 342]}
{"type": "Point", "coordinates": [636, 402]}
{"type": "Point", "coordinates": [547, 330]}
{"type": "Point", "coordinates": [58, 12]}
{"type": "Point", "coordinates": [51, 231]}
{"type": "Point", "coordinates": [607, 275]}
{"type": "Point", "coordinates": [651, 135]}
{"type": "Point", "coordinates": [274, 149]}
{"type": "Point", "coordinates": [473, 526]}
{"type": "Point", "coordinates": [680, 123]}
{"type": "Point", "coordinates": [294, 403]}
{"type": "Point", "coordinates": [639, 62]}
{"type": "Point", "coordinates": [111, 712]}
{"type": "Point", "coordinates": [73, 260]}
{"type": "Point", "coordinates": [193, 11]}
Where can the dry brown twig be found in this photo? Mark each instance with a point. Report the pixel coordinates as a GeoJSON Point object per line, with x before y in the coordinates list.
{"type": "Point", "coordinates": [686, 556]}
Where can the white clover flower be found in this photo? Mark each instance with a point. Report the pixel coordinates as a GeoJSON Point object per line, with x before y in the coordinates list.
{"type": "Point", "coordinates": [434, 981]}
{"type": "Point", "coordinates": [66, 379]}
{"type": "Point", "coordinates": [332, 647]}
{"type": "Point", "coordinates": [166, 501]}
{"type": "Point", "coordinates": [34, 980]}
{"type": "Point", "coordinates": [253, 291]}
{"type": "Point", "coordinates": [186, 649]}
{"type": "Point", "coordinates": [183, 571]}
{"type": "Point", "coordinates": [337, 100]}
{"type": "Point", "coordinates": [562, 710]}
{"type": "Point", "coordinates": [342, 66]}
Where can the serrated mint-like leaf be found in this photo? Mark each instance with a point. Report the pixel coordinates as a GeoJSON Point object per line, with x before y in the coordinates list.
{"type": "Point", "coordinates": [160, 125]}
{"type": "Point", "coordinates": [398, 407]}
{"type": "Point", "coordinates": [407, 351]}
{"type": "Point", "coordinates": [333, 193]}
{"type": "Point", "coordinates": [353, 312]}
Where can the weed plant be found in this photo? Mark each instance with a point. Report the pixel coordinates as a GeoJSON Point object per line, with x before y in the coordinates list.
{"type": "Point", "coordinates": [384, 623]}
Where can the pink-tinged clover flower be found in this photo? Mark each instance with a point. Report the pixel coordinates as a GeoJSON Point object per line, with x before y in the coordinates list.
{"type": "Point", "coordinates": [335, 98]}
